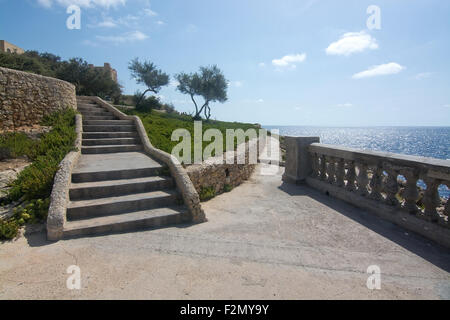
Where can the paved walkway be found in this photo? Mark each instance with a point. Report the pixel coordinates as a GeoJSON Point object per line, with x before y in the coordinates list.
{"type": "Point", "coordinates": [263, 240]}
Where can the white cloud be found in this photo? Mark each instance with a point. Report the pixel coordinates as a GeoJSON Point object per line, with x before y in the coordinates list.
{"type": "Point", "coordinates": [45, 3]}
{"type": "Point", "coordinates": [253, 101]}
{"type": "Point", "coordinates": [83, 3]}
{"type": "Point", "coordinates": [90, 43]}
{"type": "Point", "coordinates": [423, 75]}
{"type": "Point", "coordinates": [124, 38]}
{"type": "Point", "coordinates": [107, 23]}
{"type": "Point", "coordinates": [289, 60]}
{"type": "Point", "coordinates": [149, 12]}
{"type": "Point", "coordinates": [236, 84]}
{"type": "Point", "coordinates": [446, 105]}
{"type": "Point", "coordinates": [262, 64]}
{"type": "Point", "coordinates": [352, 42]}
{"type": "Point", "coordinates": [380, 70]}
{"type": "Point", "coordinates": [129, 21]}
{"type": "Point", "coordinates": [160, 23]}
{"type": "Point", "coordinates": [345, 105]}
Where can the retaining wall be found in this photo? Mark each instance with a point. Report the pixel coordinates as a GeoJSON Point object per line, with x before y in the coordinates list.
{"type": "Point", "coordinates": [25, 98]}
{"type": "Point", "coordinates": [216, 173]}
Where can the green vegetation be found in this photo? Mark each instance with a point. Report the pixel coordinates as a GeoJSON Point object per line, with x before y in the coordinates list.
{"type": "Point", "coordinates": [15, 145]}
{"type": "Point", "coordinates": [159, 127]}
{"type": "Point", "coordinates": [207, 193]}
{"type": "Point", "coordinates": [34, 183]}
{"type": "Point", "coordinates": [34, 211]}
{"type": "Point", "coordinates": [227, 188]}
{"type": "Point", "coordinates": [88, 81]}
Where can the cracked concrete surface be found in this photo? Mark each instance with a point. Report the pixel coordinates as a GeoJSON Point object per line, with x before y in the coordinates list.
{"type": "Point", "coordinates": [263, 240]}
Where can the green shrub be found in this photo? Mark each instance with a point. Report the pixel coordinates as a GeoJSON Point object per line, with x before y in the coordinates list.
{"type": "Point", "coordinates": [8, 229]}
{"type": "Point", "coordinates": [207, 193]}
{"type": "Point", "coordinates": [146, 104]}
{"type": "Point", "coordinates": [227, 188]}
{"type": "Point", "coordinates": [36, 180]}
{"type": "Point", "coordinates": [34, 211]}
{"type": "Point", "coordinates": [16, 144]}
{"type": "Point", "coordinates": [34, 183]}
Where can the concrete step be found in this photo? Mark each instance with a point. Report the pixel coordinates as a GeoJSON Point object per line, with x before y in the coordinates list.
{"type": "Point", "coordinates": [86, 110]}
{"type": "Point", "coordinates": [78, 177]}
{"type": "Point", "coordinates": [113, 141]}
{"type": "Point", "coordinates": [105, 117]}
{"type": "Point", "coordinates": [110, 188]}
{"type": "Point", "coordinates": [109, 128]}
{"type": "Point", "coordinates": [86, 105]}
{"type": "Point", "coordinates": [111, 148]}
{"type": "Point", "coordinates": [96, 113]}
{"type": "Point", "coordinates": [107, 122]}
{"type": "Point", "coordinates": [109, 135]}
{"type": "Point", "coordinates": [125, 222]}
{"type": "Point", "coordinates": [84, 209]}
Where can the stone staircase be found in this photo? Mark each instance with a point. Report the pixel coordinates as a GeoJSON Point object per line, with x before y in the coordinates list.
{"type": "Point", "coordinates": [115, 186]}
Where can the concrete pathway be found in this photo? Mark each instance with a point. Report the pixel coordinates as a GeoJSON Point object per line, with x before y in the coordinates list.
{"type": "Point", "coordinates": [263, 240]}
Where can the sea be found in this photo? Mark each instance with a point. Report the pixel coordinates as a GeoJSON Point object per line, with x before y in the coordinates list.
{"type": "Point", "coordinates": [432, 142]}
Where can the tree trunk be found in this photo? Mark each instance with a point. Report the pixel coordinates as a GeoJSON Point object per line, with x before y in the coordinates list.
{"type": "Point", "coordinates": [201, 109]}
{"type": "Point", "coordinates": [207, 112]}
{"type": "Point", "coordinates": [196, 107]}
{"type": "Point", "coordinates": [142, 96]}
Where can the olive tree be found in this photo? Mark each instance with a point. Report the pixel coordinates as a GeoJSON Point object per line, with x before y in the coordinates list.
{"type": "Point", "coordinates": [209, 83]}
{"type": "Point", "coordinates": [148, 74]}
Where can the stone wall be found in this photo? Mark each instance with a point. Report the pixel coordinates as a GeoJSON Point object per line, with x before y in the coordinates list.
{"type": "Point", "coordinates": [25, 98]}
{"type": "Point", "coordinates": [216, 173]}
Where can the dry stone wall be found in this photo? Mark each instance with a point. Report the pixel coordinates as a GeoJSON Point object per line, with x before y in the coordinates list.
{"type": "Point", "coordinates": [216, 173]}
{"type": "Point", "coordinates": [25, 98]}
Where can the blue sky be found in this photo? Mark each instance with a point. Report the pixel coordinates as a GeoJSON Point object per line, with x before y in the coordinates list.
{"type": "Point", "coordinates": [289, 62]}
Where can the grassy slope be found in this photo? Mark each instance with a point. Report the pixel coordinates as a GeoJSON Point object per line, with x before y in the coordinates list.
{"type": "Point", "coordinates": [159, 127]}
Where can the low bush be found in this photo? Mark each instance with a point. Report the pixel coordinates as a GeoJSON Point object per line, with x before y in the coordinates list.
{"type": "Point", "coordinates": [207, 193]}
{"type": "Point", "coordinates": [34, 183]}
{"type": "Point", "coordinates": [16, 144]}
{"type": "Point", "coordinates": [227, 188]}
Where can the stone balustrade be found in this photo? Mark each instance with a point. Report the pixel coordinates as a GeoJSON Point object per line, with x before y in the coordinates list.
{"type": "Point", "coordinates": [381, 182]}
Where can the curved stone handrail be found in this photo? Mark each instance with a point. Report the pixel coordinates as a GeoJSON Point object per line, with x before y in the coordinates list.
{"type": "Point", "coordinates": [182, 180]}
{"type": "Point", "coordinates": [60, 193]}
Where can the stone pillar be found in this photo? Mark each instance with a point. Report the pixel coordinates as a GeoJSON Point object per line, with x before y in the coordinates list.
{"type": "Point", "coordinates": [298, 160]}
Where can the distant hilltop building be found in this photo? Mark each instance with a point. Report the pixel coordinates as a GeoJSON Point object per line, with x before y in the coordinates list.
{"type": "Point", "coordinates": [5, 46]}
{"type": "Point", "coordinates": [107, 67]}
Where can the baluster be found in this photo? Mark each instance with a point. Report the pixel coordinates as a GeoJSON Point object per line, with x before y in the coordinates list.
{"type": "Point", "coordinates": [362, 179]}
{"type": "Point", "coordinates": [350, 176]}
{"type": "Point", "coordinates": [315, 165]}
{"type": "Point", "coordinates": [447, 205]}
{"type": "Point", "coordinates": [331, 169]}
{"type": "Point", "coordinates": [323, 168]}
{"type": "Point", "coordinates": [376, 183]}
{"type": "Point", "coordinates": [340, 172]}
{"type": "Point", "coordinates": [431, 199]}
{"type": "Point", "coordinates": [411, 193]}
{"type": "Point", "coordinates": [391, 187]}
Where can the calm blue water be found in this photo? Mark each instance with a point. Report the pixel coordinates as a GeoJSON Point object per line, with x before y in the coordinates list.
{"type": "Point", "coordinates": [433, 142]}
